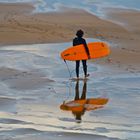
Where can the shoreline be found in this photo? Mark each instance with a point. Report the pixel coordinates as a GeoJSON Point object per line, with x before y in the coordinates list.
{"type": "Point", "coordinates": [70, 20]}
{"type": "Point", "coordinates": [41, 28]}
{"type": "Point", "coordinates": [20, 26]}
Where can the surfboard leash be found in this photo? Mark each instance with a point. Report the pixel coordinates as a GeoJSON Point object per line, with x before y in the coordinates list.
{"type": "Point", "coordinates": [67, 68]}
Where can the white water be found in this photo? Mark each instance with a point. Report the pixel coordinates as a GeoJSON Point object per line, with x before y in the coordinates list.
{"type": "Point", "coordinates": [93, 6]}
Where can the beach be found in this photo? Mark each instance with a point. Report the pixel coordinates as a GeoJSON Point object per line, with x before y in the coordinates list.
{"type": "Point", "coordinates": [34, 78]}
{"type": "Point", "coordinates": [29, 28]}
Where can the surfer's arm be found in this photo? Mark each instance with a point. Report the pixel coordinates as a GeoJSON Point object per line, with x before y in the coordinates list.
{"type": "Point", "coordinates": [86, 48]}
{"type": "Point", "coordinates": [74, 42]}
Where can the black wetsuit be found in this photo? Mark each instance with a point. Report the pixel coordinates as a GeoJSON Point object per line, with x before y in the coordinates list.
{"type": "Point", "coordinates": [78, 41]}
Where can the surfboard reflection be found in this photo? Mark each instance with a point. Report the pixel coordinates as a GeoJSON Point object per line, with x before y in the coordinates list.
{"type": "Point", "coordinates": [80, 105]}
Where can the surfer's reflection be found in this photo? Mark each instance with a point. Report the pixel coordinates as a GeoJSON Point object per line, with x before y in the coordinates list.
{"type": "Point", "coordinates": [81, 104]}
{"type": "Point", "coordinates": [78, 112]}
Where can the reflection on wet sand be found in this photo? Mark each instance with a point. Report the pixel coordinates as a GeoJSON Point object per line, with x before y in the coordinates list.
{"type": "Point", "coordinates": [80, 105]}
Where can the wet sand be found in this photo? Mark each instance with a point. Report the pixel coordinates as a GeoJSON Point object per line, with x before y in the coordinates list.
{"type": "Point", "coordinates": [34, 88]}
{"type": "Point", "coordinates": [34, 84]}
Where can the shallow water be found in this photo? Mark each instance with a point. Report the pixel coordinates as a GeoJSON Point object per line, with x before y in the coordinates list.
{"type": "Point", "coordinates": [34, 82]}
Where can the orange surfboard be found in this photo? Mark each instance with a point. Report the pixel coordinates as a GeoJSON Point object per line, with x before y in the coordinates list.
{"type": "Point", "coordinates": [96, 50]}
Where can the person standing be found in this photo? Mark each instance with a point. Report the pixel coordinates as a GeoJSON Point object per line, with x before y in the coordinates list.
{"type": "Point", "coordinates": [78, 40]}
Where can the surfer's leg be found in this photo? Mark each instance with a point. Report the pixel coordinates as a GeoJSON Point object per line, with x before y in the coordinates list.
{"type": "Point", "coordinates": [77, 68]}
{"type": "Point", "coordinates": [85, 67]}
{"type": "Point", "coordinates": [84, 62]}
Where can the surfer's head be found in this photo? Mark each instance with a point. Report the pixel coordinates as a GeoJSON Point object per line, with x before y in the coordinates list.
{"type": "Point", "coordinates": [79, 33]}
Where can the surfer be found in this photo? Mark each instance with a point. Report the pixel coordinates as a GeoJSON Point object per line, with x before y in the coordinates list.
{"type": "Point", "coordinates": [77, 41]}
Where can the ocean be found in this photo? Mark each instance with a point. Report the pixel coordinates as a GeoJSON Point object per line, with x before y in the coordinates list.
{"type": "Point", "coordinates": [93, 6]}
